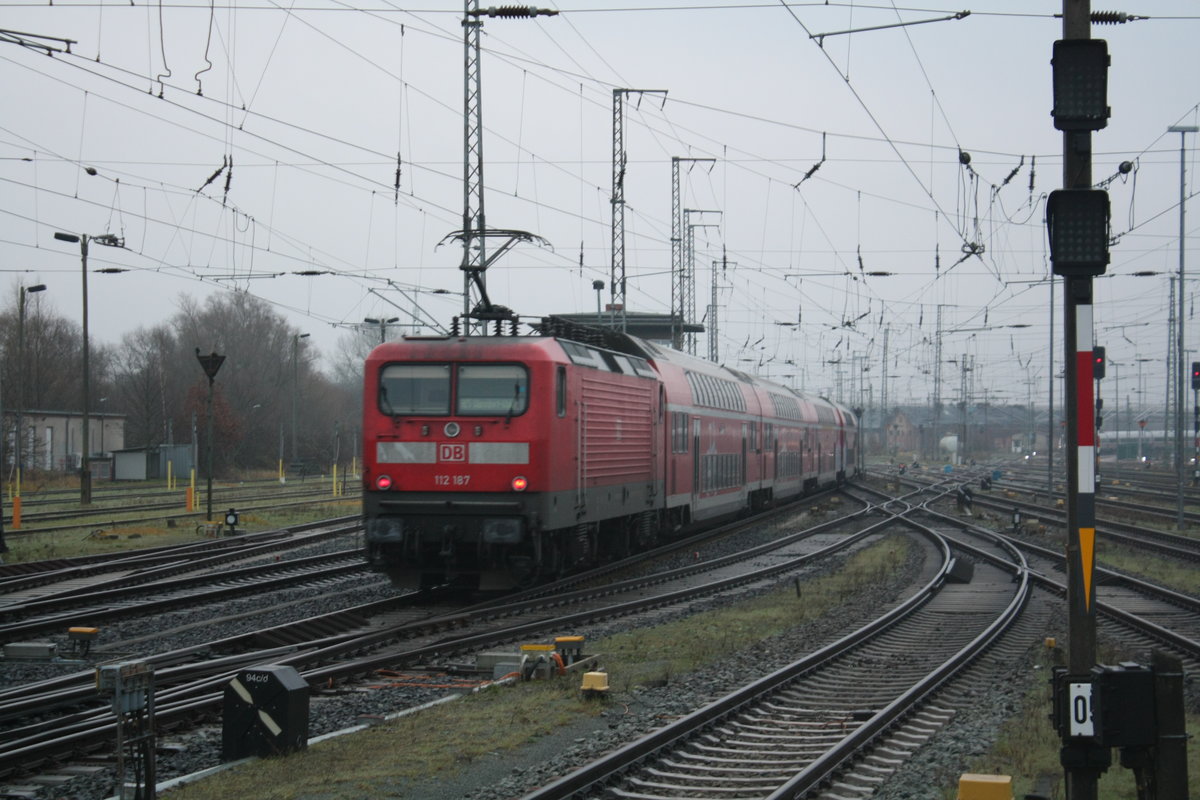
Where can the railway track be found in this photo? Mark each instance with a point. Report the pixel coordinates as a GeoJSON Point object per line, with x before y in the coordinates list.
{"type": "Point", "coordinates": [1135, 536]}
{"type": "Point", "coordinates": [119, 516]}
{"type": "Point", "coordinates": [1108, 493]}
{"type": "Point", "coordinates": [331, 650]}
{"type": "Point", "coordinates": [812, 729]}
{"type": "Point", "coordinates": [792, 731]}
{"type": "Point", "coordinates": [22, 580]}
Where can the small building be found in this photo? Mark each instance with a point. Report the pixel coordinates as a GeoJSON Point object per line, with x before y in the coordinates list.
{"type": "Point", "coordinates": [152, 463]}
{"type": "Point", "coordinates": [52, 439]}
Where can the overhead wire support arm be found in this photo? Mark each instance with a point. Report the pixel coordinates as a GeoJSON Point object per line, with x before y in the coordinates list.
{"type": "Point", "coordinates": [820, 37]}
{"type": "Point", "coordinates": [27, 40]}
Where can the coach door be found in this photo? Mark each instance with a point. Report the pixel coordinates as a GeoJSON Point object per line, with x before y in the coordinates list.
{"type": "Point", "coordinates": [696, 461]}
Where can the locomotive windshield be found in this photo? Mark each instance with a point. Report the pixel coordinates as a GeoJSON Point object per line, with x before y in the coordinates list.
{"type": "Point", "coordinates": [492, 389]}
{"type": "Point", "coordinates": [482, 389]}
{"type": "Point", "coordinates": [415, 389]}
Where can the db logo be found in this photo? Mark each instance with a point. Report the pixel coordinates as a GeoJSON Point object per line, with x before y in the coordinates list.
{"type": "Point", "coordinates": [452, 452]}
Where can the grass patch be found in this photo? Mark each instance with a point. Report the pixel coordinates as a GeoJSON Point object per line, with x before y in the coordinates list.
{"type": "Point", "coordinates": [439, 742]}
{"type": "Point", "coordinates": [383, 760]}
{"type": "Point", "coordinates": [1172, 573]}
{"type": "Point", "coordinates": [653, 655]}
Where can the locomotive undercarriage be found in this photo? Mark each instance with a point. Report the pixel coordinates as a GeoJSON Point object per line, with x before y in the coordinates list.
{"type": "Point", "coordinates": [421, 543]}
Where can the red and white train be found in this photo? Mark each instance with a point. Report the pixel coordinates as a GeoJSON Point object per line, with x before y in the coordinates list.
{"type": "Point", "coordinates": [495, 461]}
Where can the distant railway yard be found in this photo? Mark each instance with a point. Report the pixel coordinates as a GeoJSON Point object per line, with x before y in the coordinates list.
{"type": "Point", "coordinates": [877, 640]}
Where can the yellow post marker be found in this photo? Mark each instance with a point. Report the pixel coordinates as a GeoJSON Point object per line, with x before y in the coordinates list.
{"type": "Point", "coordinates": [170, 483]}
{"type": "Point", "coordinates": [595, 684]}
{"type": "Point", "coordinates": [16, 513]}
{"type": "Point", "coordinates": [984, 787]}
{"type": "Point", "coordinates": [335, 486]}
{"type": "Point", "coordinates": [281, 478]}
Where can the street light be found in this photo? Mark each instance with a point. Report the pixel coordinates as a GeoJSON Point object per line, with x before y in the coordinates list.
{"type": "Point", "coordinates": [108, 240]}
{"type": "Point", "coordinates": [295, 386]}
{"type": "Point", "coordinates": [382, 323]}
{"type": "Point", "coordinates": [41, 287]}
{"type": "Point", "coordinates": [1182, 130]}
{"type": "Point", "coordinates": [599, 287]}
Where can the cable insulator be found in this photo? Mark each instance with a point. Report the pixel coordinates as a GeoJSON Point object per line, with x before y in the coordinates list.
{"type": "Point", "coordinates": [1110, 17]}
{"type": "Point", "coordinates": [518, 11]}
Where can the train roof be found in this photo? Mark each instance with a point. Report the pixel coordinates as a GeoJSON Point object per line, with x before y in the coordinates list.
{"type": "Point", "coordinates": [601, 348]}
{"type": "Point", "coordinates": [618, 341]}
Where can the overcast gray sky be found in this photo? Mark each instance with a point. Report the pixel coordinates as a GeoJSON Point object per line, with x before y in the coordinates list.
{"type": "Point", "coordinates": [313, 101]}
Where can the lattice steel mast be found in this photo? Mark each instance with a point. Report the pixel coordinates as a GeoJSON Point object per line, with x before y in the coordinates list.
{"type": "Point", "coordinates": [688, 281]}
{"type": "Point", "coordinates": [479, 311]}
{"type": "Point", "coordinates": [677, 268]}
{"type": "Point", "coordinates": [617, 278]}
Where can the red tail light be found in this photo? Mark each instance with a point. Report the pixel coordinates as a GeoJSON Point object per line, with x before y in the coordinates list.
{"type": "Point", "coordinates": [519, 484]}
{"type": "Point", "coordinates": [383, 482]}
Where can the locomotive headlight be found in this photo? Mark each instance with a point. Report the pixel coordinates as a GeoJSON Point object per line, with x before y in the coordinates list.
{"type": "Point", "coordinates": [520, 483]}
{"type": "Point", "coordinates": [383, 482]}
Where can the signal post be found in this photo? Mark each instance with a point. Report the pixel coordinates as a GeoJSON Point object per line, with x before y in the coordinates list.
{"type": "Point", "coordinates": [1130, 707]}
{"type": "Point", "coordinates": [1077, 219]}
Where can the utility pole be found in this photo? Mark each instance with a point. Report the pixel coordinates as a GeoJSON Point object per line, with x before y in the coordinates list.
{"type": "Point", "coordinates": [1183, 131]}
{"type": "Point", "coordinates": [937, 385]}
{"type": "Point", "coordinates": [883, 395]}
{"type": "Point", "coordinates": [1169, 395]}
{"type": "Point", "coordinates": [962, 446]}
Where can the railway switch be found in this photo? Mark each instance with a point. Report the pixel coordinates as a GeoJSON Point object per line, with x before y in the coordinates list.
{"type": "Point", "coordinates": [265, 713]}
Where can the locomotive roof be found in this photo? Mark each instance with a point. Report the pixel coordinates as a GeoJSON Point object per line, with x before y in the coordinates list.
{"type": "Point", "coordinates": [614, 341]}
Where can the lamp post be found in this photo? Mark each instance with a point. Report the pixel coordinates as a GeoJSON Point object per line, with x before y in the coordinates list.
{"type": "Point", "coordinates": [109, 240]}
{"type": "Point", "coordinates": [41, 287]}
{"type": "Point", "coordinates": [1182, 130]}
{"type": "Point", "coordinates": [295, 386]}
{"type": "Point", "coordinates": [102, 401]}
{"type": "Point", "coordinates": [599, 287]}
{"type": "Point", "coordinates": [382, 323]}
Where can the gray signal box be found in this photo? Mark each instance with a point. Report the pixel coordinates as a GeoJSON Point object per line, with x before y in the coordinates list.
{"type": "Point", "coordinates": [265, 714]}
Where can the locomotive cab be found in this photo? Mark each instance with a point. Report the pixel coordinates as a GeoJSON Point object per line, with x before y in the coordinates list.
{"type": "Point", "coordinates": [499, 461]}
{"type": "Point", "coordinates": [450, 488]}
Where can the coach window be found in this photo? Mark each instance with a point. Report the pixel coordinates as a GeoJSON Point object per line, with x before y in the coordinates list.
{"type": "Point", "coordinates": [560, 391]}
{"type": "Point", "coordinates": [492, 389]}
{"type": "Point", "coordinates": [415, 389]}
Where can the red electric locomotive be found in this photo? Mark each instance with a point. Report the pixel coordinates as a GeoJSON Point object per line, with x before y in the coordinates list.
{"type": "Point", "coordinates": [493, 462]}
